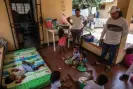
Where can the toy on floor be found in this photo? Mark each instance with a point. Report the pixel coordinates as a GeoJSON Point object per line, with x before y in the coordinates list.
{"type": "Point", "coordinates": [81, 68]}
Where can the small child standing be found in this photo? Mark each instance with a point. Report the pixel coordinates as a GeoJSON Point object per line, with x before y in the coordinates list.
{"type": "Point", "coordinates": [62, 42]}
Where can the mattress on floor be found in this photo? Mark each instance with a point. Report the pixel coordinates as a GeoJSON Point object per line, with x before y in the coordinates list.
{"type": "Point", "coordinates": [33, 80]}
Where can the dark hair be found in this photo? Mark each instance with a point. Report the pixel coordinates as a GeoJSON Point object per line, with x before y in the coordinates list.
{"type": "Point", "coordinates": [77, 9]}
{"type": "Point", "coordinates": [120, 14]}
{"type": "Point", "coordinates": [61, 33]}
{"type": "Point", "coordinates": [76, 47]}
{"type": "Point", "coordinates": [84, 54]}
{"type": "Point", "coordinates": [55, 76]}
{"type": "Point", "coordinates": [8, 80]}
{"type": "Point", "coordinates": [2, 87]}
{"type": "Point", "coordinates": [102, 79]}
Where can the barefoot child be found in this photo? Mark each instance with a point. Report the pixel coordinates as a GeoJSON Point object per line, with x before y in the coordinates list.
{"type": "Point", "coordinates": [74, 57]}
{"type": "Point", "coordinates": [62, 42]}
{"type": "Point", "coordinates": [83, 60]}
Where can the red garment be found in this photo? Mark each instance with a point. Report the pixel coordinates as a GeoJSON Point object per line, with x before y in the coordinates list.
{"type": "Point", "coordinates": [128, 60]}
{"type": "Point", "coordinates": [62, 41]}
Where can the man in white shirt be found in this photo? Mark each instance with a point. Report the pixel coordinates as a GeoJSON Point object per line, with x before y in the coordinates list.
{"type": "Point", "coordinates": [115, 28]}
{"type": "Point", "coordinates": [78, 23]}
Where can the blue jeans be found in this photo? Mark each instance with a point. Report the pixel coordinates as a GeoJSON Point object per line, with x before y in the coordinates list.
{"type": "Point", "coordinates": [112, 49]}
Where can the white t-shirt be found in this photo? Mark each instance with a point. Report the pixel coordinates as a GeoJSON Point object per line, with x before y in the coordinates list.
{"type": "Point", "coordinates": [92, 85]}
{"type": "Point", "coordinates": [77, 22]}
{"type": "Point", "coordinates": [56, 85]}
{"type": "Point", "coordinates": [114, 30]}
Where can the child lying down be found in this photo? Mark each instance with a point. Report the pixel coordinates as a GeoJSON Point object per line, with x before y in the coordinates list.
{"type": "Point", "coordinates": [17, 74]}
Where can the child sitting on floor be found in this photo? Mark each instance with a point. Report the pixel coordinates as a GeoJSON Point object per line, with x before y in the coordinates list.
{"type": "Point", "coordinates": [56, 81]}
{"type": "Point", "coordinates": [17, 74]}
{"type": "Point", "coordinates": [83, 60]}
{"type": "Point", "coordinates": [62, 42]}
{"type": "Point", "coordinates": [74, 57]}
{"type": "Point", "coordinates": [90, 83]}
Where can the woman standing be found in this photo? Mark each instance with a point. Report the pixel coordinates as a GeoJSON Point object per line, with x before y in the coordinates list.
{"type": "Point", "coordinates": [78, 23]}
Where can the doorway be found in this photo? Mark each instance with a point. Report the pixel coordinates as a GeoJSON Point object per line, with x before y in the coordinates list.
{"type": "Point", "coordinates": [26, 21]}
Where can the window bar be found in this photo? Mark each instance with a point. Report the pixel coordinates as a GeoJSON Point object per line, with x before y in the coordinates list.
{"type": "Point", "coordinates": [10, 24]}
{"type": "Point", "coordinates": [15, 5]}
{"type": "Point", "coordinates": [32, 10]}
{"type": "Point", "coordinates": [24, 8]}
{"type": "Point", "coordinates": [42, 20]}
{"type": "Point", "coordinates": [36, 10]}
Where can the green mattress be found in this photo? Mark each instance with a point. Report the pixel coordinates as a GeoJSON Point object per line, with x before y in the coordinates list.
{"type": "Point", "coordinates": [33, 80]}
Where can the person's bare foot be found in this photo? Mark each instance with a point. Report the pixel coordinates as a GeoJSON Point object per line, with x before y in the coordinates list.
{"type": "Point", "coordinates": [73, 67]}
{"type": "Point", "coordinates": [63, 58]}
{"type": "Point", "coordinates": [58, 68]}
{"type": "Point", "coordinates": [90, 71]}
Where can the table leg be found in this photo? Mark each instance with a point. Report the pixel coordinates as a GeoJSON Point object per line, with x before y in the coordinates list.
{"type": "Point", "coordinates": [47, 37]}
{"type": "Point", "coordinates": [68, 42]}
{"type": "Point", "coordinates": [54, 41]}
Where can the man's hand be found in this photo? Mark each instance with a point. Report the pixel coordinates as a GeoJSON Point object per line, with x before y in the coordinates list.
{"type": "Point", "coordinates": [71, 24]}
{"type": "Point", "coordinates": [82, 28]}
{"type": "Point", "coordinates": [68, 19]}
{"type": "Point", "coordinates": [101, 40]}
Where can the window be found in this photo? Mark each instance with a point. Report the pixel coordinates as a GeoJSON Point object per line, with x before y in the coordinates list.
{"type": "Point", "coordinates": [21, 8]}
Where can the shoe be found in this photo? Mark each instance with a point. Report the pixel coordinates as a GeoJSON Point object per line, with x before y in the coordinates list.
{"type": "Point", "coordinates": [124, 77]}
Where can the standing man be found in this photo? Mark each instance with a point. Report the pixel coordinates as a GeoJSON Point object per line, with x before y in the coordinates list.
{"type": "Point", "coordinates": [115, 28]}
{"type": "Point", "coordinates": [78, 23]}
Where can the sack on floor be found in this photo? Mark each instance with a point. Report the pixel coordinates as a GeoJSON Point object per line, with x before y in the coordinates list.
{"type": "Point", "coordinates": [128, 60]}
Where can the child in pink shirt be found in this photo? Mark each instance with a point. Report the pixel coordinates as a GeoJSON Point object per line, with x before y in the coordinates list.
{"type": "Point", "coordinates": [62, 42]}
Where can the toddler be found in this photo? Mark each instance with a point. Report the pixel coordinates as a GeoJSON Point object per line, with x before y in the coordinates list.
{"type": "Point", "coordinates": [62, 42]}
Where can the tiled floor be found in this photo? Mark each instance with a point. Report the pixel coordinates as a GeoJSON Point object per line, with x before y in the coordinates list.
{"type": "Point", "coordinates": [53, 60]}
